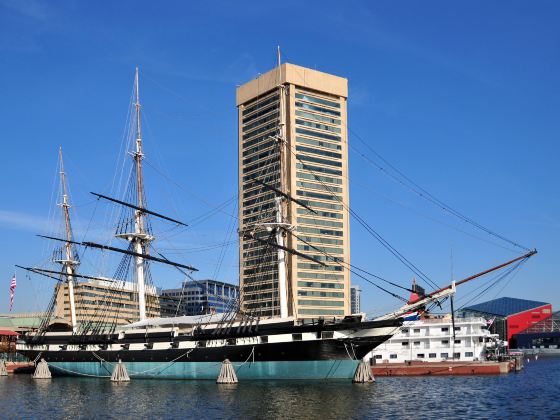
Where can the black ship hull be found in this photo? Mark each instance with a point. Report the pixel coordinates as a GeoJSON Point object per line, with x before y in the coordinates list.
{"type": "Point", "coordinates": [278, 351]}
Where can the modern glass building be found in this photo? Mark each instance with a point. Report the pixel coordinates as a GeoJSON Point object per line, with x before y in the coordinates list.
{"type": "Point", "coordinates": [544, 334]}
{"type": "Point", "coordinates": [199, 297]}
{"type": "Point", "coordinates": [293, 136]}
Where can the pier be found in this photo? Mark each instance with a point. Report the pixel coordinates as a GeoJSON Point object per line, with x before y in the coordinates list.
{"type": "Point", "coordinates": [418, 368]}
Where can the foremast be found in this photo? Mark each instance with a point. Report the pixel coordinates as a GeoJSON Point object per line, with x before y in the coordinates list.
{"type": "Point", "coordinates": [68, 260]}
{"type": "Point", "coordinates": [140, 238]}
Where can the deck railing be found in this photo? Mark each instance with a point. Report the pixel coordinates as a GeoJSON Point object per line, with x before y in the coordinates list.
{"type": "Point", "coordinates": [13, 357]}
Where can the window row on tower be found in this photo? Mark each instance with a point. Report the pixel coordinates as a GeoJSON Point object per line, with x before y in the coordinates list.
{"type": "Point", "coordinates": [260, 160]}
{"type": "Point", "coordinates": [318, 151]}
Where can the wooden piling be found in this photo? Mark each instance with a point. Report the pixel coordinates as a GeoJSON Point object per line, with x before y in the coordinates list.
{"type": "Point", "coordinates": [227, 374]}
{"type": "Point", "coordinates": [120, 373]}
{"type": "Point", "coordinates": [363, 374]}
{"type": "Point", "coordinates": [3, 370]}
{"type": "Point", "coordinates": [42, 370]}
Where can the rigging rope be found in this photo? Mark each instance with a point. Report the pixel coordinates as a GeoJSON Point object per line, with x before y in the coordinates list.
{"type": "Point", "coordinates": [187, 191]}
{"type": "Point", "coordinates": [499, 278]}
{"type": "Point", "coordinates": [368, 228]}
{"type": "Point", "coordinates": [421, 192]}
{"type": "Point", "coordinates": [408, 183]}
{"type": "Point", "coordinates": [350, 267]}
{"type": "Point", "coordinates": [187, 275]}
{"type": "Point", "coordinates": [223, 248]}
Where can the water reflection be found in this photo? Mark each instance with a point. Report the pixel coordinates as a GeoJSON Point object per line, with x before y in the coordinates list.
{"type": "Point", "coordinates": [514, 395]}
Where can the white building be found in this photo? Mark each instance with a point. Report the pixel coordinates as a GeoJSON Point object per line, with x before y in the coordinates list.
{"type": "Point", "coordinates": [431, 340]}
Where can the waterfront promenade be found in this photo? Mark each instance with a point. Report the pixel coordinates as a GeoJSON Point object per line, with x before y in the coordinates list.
{"type": "Point", "coordinates": [531, 393]}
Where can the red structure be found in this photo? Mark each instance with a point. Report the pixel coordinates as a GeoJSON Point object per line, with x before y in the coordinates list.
{"type": "Point", "coordinates": [416, 293]}
{"type": "Point", "coordinates": [521, 321]}
{"type": "Point", "coordinates": [510, 316]}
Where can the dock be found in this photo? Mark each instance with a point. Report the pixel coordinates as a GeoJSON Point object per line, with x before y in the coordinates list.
{"type": "Point", "coordinates": [19, 367]}
{"type": "Point", "coordinates": [447, 368]}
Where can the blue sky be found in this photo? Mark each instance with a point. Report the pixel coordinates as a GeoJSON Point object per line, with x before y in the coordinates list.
{"type": "Point", "coordinates": [460, 96]}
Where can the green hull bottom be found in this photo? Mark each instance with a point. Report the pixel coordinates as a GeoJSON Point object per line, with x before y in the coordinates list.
{"type": "Point", "coordinates": [319, 369]}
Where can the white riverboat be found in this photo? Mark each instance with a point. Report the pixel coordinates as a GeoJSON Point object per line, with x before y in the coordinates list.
{"type": "Point", "coordinates": [434, 339]}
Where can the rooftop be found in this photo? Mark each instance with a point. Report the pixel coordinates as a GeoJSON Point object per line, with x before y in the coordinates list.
{"type": "Point", "coordinates": [199, 284]}
{"type": "Point", "coordinates": [297, 75]}
{"type": "Point", "coordinates": [24, 321]}
{"type": "Point", "coordinates": [505, 306]}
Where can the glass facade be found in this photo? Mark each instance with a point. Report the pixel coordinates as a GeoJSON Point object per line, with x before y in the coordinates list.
{"type": "Point", "coordinates": [260, 160]}
{"type": "Point", "coordinates": [320, 156]}
{"type": "Point", "coordinates": [199, 297]}
{"type": "Point", "coordinates": [355, 299]}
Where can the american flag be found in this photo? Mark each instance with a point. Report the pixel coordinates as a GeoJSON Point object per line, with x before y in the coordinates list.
{"type": "Point", "coordinates": [12, 290]}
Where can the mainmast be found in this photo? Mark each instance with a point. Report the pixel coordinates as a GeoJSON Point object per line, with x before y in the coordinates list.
{"type": "Point", "coordinates": [279, 200]}
{"type": "Point", "coordinates": [67, 260]}
{"type": "Point", "coordinates": [140, 238]}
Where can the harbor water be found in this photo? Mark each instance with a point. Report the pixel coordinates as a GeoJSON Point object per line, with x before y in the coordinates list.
{"type": "Point", "coordinates": [532, 393]}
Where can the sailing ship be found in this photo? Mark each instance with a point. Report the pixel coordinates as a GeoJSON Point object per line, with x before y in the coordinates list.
{"type": "Point", "coordinates": [194, 347]}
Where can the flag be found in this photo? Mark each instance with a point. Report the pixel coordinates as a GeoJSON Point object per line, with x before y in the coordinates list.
{"type": "Point", "coordinates": [411, 316]}
{"type": "Point", "coordinates": [489, 322]}
{"type": "Point", "coordinates": [12, 290]}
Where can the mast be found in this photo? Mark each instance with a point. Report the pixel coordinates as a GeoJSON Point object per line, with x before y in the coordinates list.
{"type": "Point", "coordinates": [140, 238]}
{"type": "Point", "coordinates": [67, 261]}
{"type": "Point", "coordinates": [282, 281]}
{"type": "Point", "coordinates": [139, 216]}
{"type": "Point", "coordinates": [452, 307]}
{"type": "Point", "coordinates": [279, 201]}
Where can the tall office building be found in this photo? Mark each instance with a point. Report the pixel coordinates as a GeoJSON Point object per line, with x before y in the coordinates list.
{"type": "Point", "coordinates": [293, 137]}
{"type": "Point", "coordinates": [355, 302]}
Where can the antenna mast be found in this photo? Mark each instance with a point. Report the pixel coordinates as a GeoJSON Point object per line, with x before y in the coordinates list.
{"type": "Point", "coordinates": [67, 260]}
